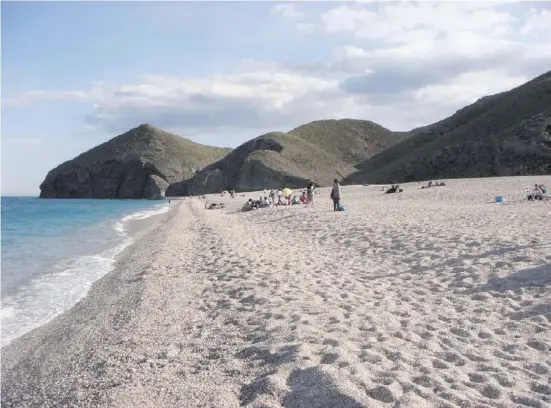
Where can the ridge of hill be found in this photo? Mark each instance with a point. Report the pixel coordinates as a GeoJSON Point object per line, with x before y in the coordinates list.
{"type": "Point", "coordinates": [506, 134]}
{"type": "Point", "coordinates": [350, 140]}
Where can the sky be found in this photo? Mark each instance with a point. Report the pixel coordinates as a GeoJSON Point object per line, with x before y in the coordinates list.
{"type": "Point", "coordinates": [75, 74]}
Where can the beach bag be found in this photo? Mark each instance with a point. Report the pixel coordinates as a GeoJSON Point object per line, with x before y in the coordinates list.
{"type": "Point", "coordinates": [341, 207]}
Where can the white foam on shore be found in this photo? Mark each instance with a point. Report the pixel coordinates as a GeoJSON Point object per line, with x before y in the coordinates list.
{"type": "Point", "coordinates": [141, 215]}
{"type": "Point", "coordinates": [50, 295]}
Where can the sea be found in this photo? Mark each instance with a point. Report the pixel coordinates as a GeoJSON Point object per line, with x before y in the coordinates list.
{"type": "Point", "coordinates": [53, 250]}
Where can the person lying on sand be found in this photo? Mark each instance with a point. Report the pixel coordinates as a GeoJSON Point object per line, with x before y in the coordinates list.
{"type": "Point", "coordinates": [394, 189]}
{"type": "Point", "coordinates": [214, 206]}
{"type": "Point", "coordinates": [433, 184]}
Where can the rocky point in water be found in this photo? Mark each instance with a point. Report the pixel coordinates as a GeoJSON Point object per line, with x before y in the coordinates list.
{"type": "Point", "coordinates": [140, 163]}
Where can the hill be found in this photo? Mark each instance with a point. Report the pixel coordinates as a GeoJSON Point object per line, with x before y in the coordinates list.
{"type": "Point", "coordinates": [350, 140]}
{"type": "Point", "coordinates": [321, 151]}
{"type": "Point", "coordinates": [506, 134]}
{"type": "Point", "coordinates": [271, 160]}
{"type": "Point", "coordinates": [140, 163]}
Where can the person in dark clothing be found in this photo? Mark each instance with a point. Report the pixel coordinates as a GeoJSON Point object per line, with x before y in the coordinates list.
{"type": "Point", "coordinates": [310, 194]}
{"type": "Point", "coordinates": [336, 195]}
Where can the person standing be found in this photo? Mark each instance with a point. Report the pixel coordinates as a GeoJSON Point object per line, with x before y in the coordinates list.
{"type": "Point", "coordinates": [310, 194]}
{"type": "Point", "coordinates": [336, 195]}
{"type": "Point", "coordinates": [280, 197]}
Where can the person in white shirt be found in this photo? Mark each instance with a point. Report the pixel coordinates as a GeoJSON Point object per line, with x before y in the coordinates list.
{"type": "Point", "coordinates": [279, 197]}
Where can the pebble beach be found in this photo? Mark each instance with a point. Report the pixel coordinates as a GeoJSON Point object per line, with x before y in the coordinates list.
{"type": "Point", "coordinates": [435, 297]}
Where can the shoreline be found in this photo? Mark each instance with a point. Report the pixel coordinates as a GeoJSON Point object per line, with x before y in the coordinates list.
{"type": "Point", "coordinates": [78, 273]}
{"type": "Point", "coordinates": [427, 298]}
{"type": "Point", "coordinates": [88, 319]}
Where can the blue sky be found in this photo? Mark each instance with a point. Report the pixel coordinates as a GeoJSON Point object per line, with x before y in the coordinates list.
{"type": "Point", "coordinates": [75, 74]}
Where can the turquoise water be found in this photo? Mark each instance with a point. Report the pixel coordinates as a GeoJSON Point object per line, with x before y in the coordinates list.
{"type": "Point", "coordinates": [53, 250]}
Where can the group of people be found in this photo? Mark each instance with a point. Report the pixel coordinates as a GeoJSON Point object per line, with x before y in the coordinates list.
{"type": "Point", "coordinates": [431, 184]}
{"type": "Point", "coordinates": [281, 197]}
{"type": "Point", "coordinates": [538, 192]}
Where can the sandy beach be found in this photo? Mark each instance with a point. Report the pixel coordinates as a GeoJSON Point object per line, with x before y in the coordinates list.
{"type": "Point", "coordinates": [427, 298]}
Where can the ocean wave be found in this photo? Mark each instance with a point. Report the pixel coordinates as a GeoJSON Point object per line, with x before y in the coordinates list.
{"type": "Point", "coordinates": [140, 215]}
{"type": "Point", "coordinates": [51, 294]}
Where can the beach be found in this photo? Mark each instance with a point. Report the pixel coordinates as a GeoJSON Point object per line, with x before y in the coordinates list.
{"type": "Point", "coordinates": [427, 298]}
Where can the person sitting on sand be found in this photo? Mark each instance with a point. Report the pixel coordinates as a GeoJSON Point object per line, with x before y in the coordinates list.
{"type": "Point", "coordinates": [303, 197]}
{"type": "Point", "coordinates": [535, 194]}
{"type": "Point", "coordinates": [543, 188]}
{"type": "Point", "coordinates": [265, 203]}
{"type": "Point", "coordinates": [248, 206]}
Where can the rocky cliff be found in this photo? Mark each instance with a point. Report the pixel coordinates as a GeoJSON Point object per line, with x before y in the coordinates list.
{"type": "Point", "coordinates": [140, 163]}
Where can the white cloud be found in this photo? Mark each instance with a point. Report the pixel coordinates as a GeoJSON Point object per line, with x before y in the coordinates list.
{"type": "Point", "coordinates": [539, 21]}
{"type": "Point", "coordinates": [306, 28]}
{"type": "Point", "coordinates": [288, 10]}
{"type": "Point", "coordinates": [468, 87]}
{"type": "Point", "coordinates": [392, 21]}
{"type": "Point", "coordinates": [429, 59]}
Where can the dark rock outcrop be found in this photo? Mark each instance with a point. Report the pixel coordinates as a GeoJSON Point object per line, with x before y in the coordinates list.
{"type": "Point", "coordinates": [499, 135]}
{"type": "Point", "coordinates": [140, 163]}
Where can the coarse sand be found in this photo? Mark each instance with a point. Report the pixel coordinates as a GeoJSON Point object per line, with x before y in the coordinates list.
{"type": "Point", "coordinates": [426, 298]}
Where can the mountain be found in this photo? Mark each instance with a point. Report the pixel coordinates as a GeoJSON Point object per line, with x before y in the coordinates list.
{"type": "Point", "coordinates": [140, 163]}
{"type": "Point", "coordinates": [350, 140]}
{"type": "Point", "coordinates": [321, 150]}
{"type": "Point", "coordinates": [506, 134]}
{"type": "Point", "coordinates": [269, 161]}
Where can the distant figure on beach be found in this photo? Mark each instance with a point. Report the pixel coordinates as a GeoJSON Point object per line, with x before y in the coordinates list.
{"type": "Point", "coordinates": [248, 206]}
{"type": "Point", "coordinates": [394, 189]}
{"type": "Point", "coordinates": [280, 197]}
{"type": "Point", "coordinates": [536, 193]}
{"type": "Point", "coordinates": [169, 202]}
{"type": "Point", "coordinates": [310, 194]}
{"type": "Point", "coordinates": [336, 195]}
